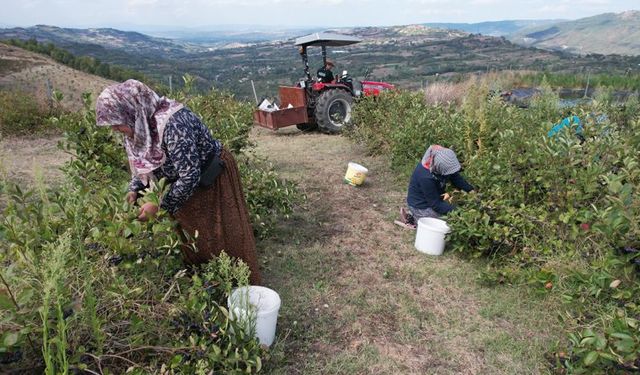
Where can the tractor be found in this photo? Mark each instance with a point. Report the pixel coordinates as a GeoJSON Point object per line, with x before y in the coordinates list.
{"type": "Point", "coordinates": [312, 104]}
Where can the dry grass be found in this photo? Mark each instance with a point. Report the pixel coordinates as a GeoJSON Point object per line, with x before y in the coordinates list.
{"type": "Point", "coordinates": [29, 72]}
{"type": "Point", "coordinates": [446, 92]}
{"type": "Point", "coordinates": [358, 299]}
{"type": "Point", "coordinates": [23, 158]}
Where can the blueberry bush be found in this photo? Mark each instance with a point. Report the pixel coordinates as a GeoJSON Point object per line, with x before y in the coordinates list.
{"type": "Point", "coordinates": [86, 288]}
{"type": "Point", "coordinates": [556, 212]}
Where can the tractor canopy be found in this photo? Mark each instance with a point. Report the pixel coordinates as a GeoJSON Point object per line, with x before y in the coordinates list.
{"type": "Point", "coordinates": [326, 40]}
{"type": "Point", "coordinates": [323, 40]}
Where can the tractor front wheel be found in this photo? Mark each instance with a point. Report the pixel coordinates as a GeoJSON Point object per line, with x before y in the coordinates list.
{"type": "Point", "coordinates": [333, 110]}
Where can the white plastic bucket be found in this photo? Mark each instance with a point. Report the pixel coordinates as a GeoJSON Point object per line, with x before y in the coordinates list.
{"type": "Point", "coordinates": [430, 235]}
{"type": "Point", "coordinates": [356, 174]}
{"type": "Point", "coordinates": [256, 308]}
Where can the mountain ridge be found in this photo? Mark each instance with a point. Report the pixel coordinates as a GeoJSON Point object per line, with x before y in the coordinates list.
{"type": "Point", "coordinates": [404, 55]}
{"type": "Point", "coordinates": [492, 28]}
{"type": "Point", "coordinates": [607, 33]}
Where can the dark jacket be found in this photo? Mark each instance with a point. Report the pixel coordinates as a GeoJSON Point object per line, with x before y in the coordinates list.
{"type": "Point", "coordinates": [325, 75]}
{"type": "Point", "coordinates": [187, 144]}
{"type": "Point", "coordinates": [426, 189]}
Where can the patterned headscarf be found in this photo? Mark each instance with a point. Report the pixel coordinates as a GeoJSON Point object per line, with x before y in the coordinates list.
{"type": "Point", "coordinates": [134, 104]}
{"type": "Point", "coordinates": [441, 160]}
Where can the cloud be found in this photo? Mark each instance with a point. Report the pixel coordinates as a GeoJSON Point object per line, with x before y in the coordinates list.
{"type": "Point", "coordinates": [141, 3]}
{"type": "Point", "coordinates": [428, 2]}
{"type": "Point", "coordinates": [485, 2]}
{"type": "Point", "coordinates": [596, 2]}
{"type": "Point", "coordinates": [330, 13]}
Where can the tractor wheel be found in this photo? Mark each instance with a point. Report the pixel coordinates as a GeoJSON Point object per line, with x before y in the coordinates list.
{"type": "Point", "coordinates": [306, 127]}
{"type": "Point", "coordinates": [333, 110]}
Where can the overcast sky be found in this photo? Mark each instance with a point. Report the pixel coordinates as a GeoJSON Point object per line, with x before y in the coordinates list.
{"type": "Point", "coordinates": [288, 13]}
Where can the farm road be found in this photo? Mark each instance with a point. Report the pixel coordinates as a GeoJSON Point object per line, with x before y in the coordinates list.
{"type": "Point", "coordinates": [357, 298]}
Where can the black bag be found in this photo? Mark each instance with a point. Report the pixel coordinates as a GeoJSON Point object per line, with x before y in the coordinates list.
{"type": "Point", "coordinates": [212, 169]}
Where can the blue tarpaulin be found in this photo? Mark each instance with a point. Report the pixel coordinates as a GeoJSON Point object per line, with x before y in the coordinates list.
{"type": "Point", "coordinates": [565, 123]}
{"type": "Point", "coordinates": [575, 120]}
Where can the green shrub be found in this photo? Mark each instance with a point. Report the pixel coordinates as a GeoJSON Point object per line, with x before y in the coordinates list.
{"type": "Point", "coordinates": [88, 287]}
{"type": "Point", "coordinates": [549, 211]}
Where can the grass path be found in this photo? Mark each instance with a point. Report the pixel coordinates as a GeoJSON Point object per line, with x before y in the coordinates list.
{"type": "Point", "coordinates": [358, 299]}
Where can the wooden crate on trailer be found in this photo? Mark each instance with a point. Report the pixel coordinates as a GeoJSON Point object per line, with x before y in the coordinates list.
{"type": "Point", "coordinates": [293, 110]}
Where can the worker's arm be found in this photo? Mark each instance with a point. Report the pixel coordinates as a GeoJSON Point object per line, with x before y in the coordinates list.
{"type": "Point", "coordinates": [433, 198]}
{"type": "Point", "coordinates": [182, 150]}
{"type": "Point", "coordinates": [135, 185]}
{"type": "Point", "coordinates": [458, 181]}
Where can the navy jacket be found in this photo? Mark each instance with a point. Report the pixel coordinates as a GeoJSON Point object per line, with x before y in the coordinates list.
{"type": "Point", "coordinates": [426, 189]}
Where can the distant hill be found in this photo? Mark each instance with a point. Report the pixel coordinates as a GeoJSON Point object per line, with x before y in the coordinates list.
{"type": "Point", "coordinates": [107, 38]}
{"type": "Point", "coordinates": [408, 56]}
{"type": "Point", "coordinates": [212, 37]}
{"type": "Point", "coordinates": [33, 73]}
{"type": "Point", "coordinates": [609, 33]}
{"type": "Point", "coordinates": [493, 28]}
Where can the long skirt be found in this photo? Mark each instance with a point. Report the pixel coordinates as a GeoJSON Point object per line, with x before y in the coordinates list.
{"type": "Point", "coordinates": [419, 213]}
{"type": "Point", "coordinates": [219, 213]}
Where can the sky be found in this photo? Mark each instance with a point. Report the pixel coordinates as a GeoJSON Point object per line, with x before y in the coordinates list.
{"type": "Point", "coordinates": [183, 14]}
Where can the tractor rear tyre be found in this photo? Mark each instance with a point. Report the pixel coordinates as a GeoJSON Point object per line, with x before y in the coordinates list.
{"type": "Point", "coordinates": [333, 110]}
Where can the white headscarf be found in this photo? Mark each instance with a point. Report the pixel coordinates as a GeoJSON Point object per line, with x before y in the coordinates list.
{"type": "Point", "coordinates": [134, 104]}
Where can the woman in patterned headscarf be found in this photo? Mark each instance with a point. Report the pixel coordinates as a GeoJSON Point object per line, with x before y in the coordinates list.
{"type": "Point", "coordinates": [426, 196]}
{"type": "Point", "coordinates": [162, 138]}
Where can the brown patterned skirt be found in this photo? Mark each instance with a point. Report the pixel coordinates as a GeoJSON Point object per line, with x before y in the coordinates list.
{"type": "Point", "coordinates": [219, 214]}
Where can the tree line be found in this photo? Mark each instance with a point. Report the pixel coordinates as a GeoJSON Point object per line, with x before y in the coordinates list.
{"type": "Point", "coordinates": [86, 64]}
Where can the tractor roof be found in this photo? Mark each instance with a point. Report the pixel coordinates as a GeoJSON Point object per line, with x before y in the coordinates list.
{"type": "Point", "coordinates": [327, 40]}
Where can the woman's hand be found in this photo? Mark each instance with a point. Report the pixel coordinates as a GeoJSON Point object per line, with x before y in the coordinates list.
{"type": "Point", "coordinates": [131, 197]}
{"type": "Point", "coordinates": [446, 197]}
{"type": "Point", "coordinates": [148, 211]}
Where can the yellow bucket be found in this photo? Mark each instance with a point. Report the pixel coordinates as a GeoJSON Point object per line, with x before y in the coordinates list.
{"type": "Point", "coordinates": [355, 174]}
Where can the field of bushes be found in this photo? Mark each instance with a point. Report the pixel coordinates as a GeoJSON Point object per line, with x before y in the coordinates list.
{"type": "Point", "coordinates": [558, 214]}
{"type": "Point", "coordinates": [86, 288]}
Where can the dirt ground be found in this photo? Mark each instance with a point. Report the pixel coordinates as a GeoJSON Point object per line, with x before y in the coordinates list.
{"type": "Point", "coordinates": [357, 298]}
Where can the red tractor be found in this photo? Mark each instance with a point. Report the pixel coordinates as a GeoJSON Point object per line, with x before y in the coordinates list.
{"type": "Point", "coordinates": [311, 103]}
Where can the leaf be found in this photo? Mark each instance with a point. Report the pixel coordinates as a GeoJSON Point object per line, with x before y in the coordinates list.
{"type": "Point", "coordinates": [615, 186]}
{"type": "Point", "coordinates": [11, 339]}
{"type": "Point", "coordinates": [625, 346]}
{"type": "Point", "coordinates": [601, 342]}
{"type": "Point", "coordinates": [614, 284]}
{"type": "Point", "coordinates": [6, 303]}
{"type": "Point", "coordinates": [587, 341]}
{"type": "Point", "coordinates": [25, 297]}
{"type": "Point", "coordinates": [590, 358]}
{"type": "Point", "coordinates": [621, 336]}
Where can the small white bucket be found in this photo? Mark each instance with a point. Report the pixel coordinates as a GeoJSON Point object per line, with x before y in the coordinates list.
{"type": "Point", "coordinates": [356, 174]}
{"type": "Point", "coordinates": [430, 235]}
{"type": "Point", "coordinates": [256, 307]}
